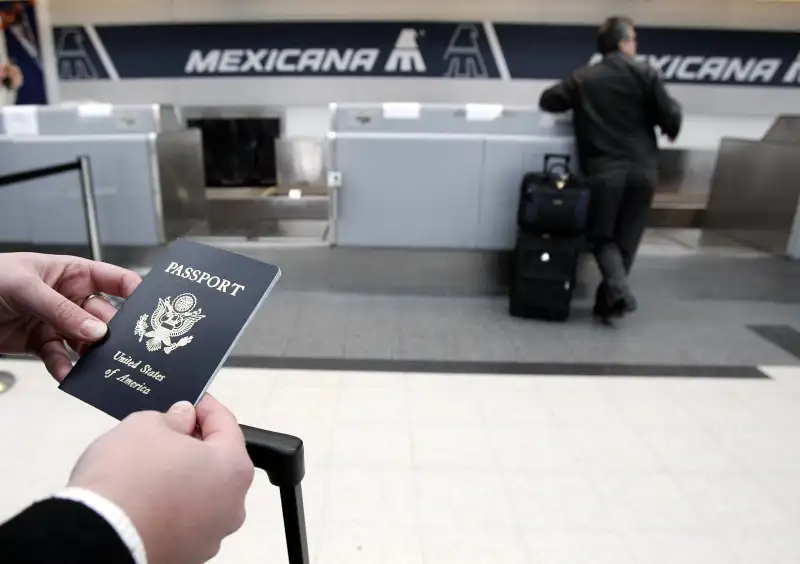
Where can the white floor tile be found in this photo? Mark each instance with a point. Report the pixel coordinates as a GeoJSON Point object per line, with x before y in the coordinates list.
{"type": "Point", "coordinates": [646, 402]}
{"type": "Point", "coordinates": [766, 547]}
{"type": "Point", "coordinates": [735, 502]}
{"type": "Point", "coordinates": [370, 496]}
{"type": "Point", "coordinates": [355, 543]}
{"type": "Point", "coordinates": [429, 469]}
{"type": "Point", "coordinates": [373, 405]}
{"type": "Point", "coordinates": [555, 502]}
{"type": "Point", "coordinates": [438, 405]}
{"type": "Point", "coordinates": [687, 449]}
{"type": "Point", "coordinates": [785, 488]}
{"type": "Point", "coordinates": [646, 502]}
{"type": "Point", "coordinates": [613, 448]}
{"type": "Point", "coordinates": [473, 546]}
{"type": "Point", "coordinates": [679, 548]}
{"type": "Point", "coordinates": [534, 447]}
{"type": "Point", "coordinates": [307, 378]}
{"type": "Point", "coordinates": [462, 500]}
{"type": "Point", "coordinates": [451, 446]}
{"type": "Point", "coordinates": [515, 402]}
{"type": "Point", "coordinates": [291, 403]}
{"type": "Point", "coordinates": [581, 404]}
{"type": "Point", "coordinates": [577, 548]}
{"type": "Point", "coordinates": [359, 444]}
{"type": "Point", "coordinates": [772, 450]}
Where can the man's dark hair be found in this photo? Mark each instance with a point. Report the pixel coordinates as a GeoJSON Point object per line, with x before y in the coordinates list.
{"type": "Point", "coordinates": [613, 31]}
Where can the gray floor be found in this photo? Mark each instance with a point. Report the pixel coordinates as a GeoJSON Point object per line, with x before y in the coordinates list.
{"type": "Point", "coordinates": [667, 331]}
{"type": "Point", "coordinates": [700, 295]}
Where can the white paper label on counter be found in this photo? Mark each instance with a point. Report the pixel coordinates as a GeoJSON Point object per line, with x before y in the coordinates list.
{"type": "Point", "coordinates": [21, 120]}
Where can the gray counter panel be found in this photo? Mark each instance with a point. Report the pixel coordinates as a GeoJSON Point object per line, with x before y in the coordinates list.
{"type": "Point", "coordinates": [505, 163]}
{"type": "Point", "coordinates": [122, 118]}
{"type": "Point", "coordinates": [408, 192]}
{"type": "Point", "coordinates": [123, 171]}
{"type": "Point", "coordinates": [363, 118]}
{"type": "Point", "coordinates": [13, 217]}
{"type": "Point", "coordinates": [756, 193]}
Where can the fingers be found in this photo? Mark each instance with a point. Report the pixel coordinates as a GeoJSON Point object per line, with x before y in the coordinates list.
{"type": "Point", "coordinates": [181, 418]}
{"type": "Point", "coordinates": [56, 359]}
{"type": "Point", "coordinates": [53, 309]}
{"type": "Point", "coordinates": [99, 307]}
{"type": "Point", "coordinates": [113, 280]}
{"type": "Point", "coordinates": [217, 424]}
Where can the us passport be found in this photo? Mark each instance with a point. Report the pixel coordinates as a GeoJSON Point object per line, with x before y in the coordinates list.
{"type": "Point", "coordinates": [172, 335]}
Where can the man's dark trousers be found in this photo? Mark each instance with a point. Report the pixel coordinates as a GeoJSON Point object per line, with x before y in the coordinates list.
{"type": "Point", "coordinates": [620, 207]}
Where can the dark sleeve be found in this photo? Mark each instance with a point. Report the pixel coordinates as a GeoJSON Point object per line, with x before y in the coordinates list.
{"type": "Point", "coordinates": [56, 531]}
{"type": "Point", "coordinates": [560, 97]}
{"type": "Point", "coordinates": [668, 113]}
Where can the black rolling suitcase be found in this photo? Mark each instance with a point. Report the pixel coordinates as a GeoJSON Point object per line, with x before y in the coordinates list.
{"type": "Point", "coordinates": [282, 458]}
{"type": "Point", "coordinates": [543, 276]}
{"type": "Point", "coordinates": [552, 215]}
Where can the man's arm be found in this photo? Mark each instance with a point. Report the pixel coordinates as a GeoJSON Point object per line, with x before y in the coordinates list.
{"type": "Point", "coordinates": [61, 531]}
{"type": "Point", "coordinates": [559, 97]}
{"type": "Point", "coordinates": [669, 115]}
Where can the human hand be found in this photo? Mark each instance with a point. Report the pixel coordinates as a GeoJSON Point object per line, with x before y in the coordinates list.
{"type": "Point", "coordinates": [183, 494]}
{"type": "Point", "coordinates": [40, 305]}
{"type": "Point", "coordinates": [14, 75]}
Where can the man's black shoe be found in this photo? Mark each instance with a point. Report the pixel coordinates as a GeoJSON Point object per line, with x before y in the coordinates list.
{"type": "Point", "coordinates": [605, 314]}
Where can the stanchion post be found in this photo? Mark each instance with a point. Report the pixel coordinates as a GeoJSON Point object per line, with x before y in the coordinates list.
{"type": "Point", "coordinates": [90, 208]}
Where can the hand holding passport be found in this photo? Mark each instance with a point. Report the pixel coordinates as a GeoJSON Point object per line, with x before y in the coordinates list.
{"type": "Point", "coordinates": [158, 353]}
{"type": "Point", "coordinates": [173, 334]}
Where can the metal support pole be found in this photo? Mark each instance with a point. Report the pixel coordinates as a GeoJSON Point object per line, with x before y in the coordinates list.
{"type": "Point", "coordinates": [90, 208]}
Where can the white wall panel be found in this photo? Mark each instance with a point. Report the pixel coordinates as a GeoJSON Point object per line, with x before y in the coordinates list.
{"type": "Point", "coordinates": [701, 100]}
{"type": "Point", "coordinates": [685, 13]}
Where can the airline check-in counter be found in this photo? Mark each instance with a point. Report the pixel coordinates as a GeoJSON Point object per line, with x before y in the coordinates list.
{"type": "Point", "coordinates": [755, 195]}
{"type": "Point", "coordinates": [447, 177]}
{"type": "Point", "coordinates": [436, 177]}
{"type": "Point", "coordinates": [146, 169]}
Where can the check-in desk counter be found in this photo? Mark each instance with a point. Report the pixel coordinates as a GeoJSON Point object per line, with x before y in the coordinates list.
{"type": "Point", "coordinates": [89, 119]}
{"type": "Point", "coordinates": [442, 177]}
{"type": "Point", "coordinates": [147, 173]}
{"type": "Point", "coordinates": [755, 196]}
{"type": "Point", "coordinates": [148, 187]}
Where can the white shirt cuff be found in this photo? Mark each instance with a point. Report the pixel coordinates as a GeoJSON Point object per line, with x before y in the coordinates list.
{"type": "Point", "coordinates": [115, 517]}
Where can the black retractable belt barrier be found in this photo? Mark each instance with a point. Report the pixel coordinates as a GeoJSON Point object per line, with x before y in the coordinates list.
{"type": "Point", "coordinates": [282, 458]}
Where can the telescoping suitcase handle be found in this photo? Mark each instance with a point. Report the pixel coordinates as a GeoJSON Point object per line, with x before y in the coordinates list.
{"type": "Point", "coordinates": [553, 161]}
{"type": "Point", "coordinates": [282, 458]}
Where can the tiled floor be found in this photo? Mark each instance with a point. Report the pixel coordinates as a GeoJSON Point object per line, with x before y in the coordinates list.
{"type": "Point", "coordinates": [440, 469]}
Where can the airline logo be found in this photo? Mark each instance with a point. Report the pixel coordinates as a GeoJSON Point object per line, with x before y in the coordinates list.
{"type": "Point", "coordinates": [404, 58]}
{"type": "Point", "coordinates": [463, 54]}
{"type": "Point", "coordinates": [699, 68]}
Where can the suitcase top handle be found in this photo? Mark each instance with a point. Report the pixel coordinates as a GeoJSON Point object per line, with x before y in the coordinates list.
{"type": "Point", "coordinates": [280, 456]}
{"type": "Point", "coordinates": [553, 161]}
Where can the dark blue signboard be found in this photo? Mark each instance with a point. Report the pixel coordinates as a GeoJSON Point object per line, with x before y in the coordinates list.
{"type": "Point", "coordinates": [276, 49]}
{"type": "Point", "coordinates": [684, 55]}
{"type": "Point", "coordinates": [412, 49]}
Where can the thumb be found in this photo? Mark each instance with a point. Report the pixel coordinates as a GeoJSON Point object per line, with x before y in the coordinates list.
{"type": "Point", "coordinates": [66, 317]}
{"type": "Point", "coordinates": [181, 418]}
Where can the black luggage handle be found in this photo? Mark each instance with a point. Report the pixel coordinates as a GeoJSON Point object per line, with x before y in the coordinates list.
{"type": "Point", "coordinates": [562, 159]}
{"type": "Point", "coordinates": [282, 458]}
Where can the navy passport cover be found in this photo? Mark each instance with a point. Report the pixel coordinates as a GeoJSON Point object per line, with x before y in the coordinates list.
{"type": "Point", "coordinates": [173, 334]}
